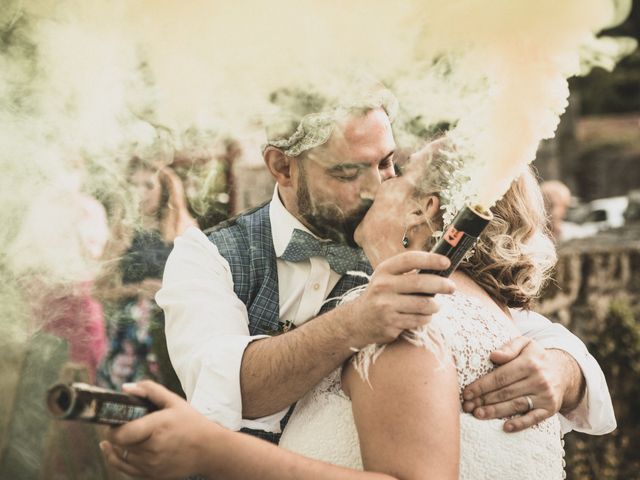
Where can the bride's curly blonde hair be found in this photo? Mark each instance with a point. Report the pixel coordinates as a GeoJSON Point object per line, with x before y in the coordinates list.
{"type": "Point", "coordinates": [514, 255]}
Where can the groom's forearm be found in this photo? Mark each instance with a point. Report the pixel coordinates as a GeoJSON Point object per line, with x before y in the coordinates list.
{"type": "Point", "coordinates": [277, 371]}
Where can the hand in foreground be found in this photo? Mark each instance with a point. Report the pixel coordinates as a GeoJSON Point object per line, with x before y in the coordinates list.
{"type": "Point", "coordinates": [389, 304]}
{"type": "Point", "coordinates": [551, 379]}
{"type": "Point", "coordinates": [169, 443]}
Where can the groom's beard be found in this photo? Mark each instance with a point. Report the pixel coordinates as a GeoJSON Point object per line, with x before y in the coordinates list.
{"type": "Point", "coordinates": [327, 220]}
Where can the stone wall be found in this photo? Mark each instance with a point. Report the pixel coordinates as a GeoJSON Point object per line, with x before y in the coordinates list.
{"type": "Point", "coordinates": [591, 273]}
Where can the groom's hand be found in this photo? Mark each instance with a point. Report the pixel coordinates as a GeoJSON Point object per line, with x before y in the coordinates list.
{"type": "Point", "coordinates": [551, 379]}
{"type": "Point", "coordinates": [390, 305]}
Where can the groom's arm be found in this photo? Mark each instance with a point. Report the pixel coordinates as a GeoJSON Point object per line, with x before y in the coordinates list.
{"type": "Point", "coordinates": [206, 327]}
{"type": "Point", "coordinates": [277, 371]}
{"type": "Point", "coordinates": [551, 366]}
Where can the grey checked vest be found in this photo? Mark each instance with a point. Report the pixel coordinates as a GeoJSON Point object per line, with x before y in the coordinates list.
{"type": "Point", "coordinates": [246, 243]}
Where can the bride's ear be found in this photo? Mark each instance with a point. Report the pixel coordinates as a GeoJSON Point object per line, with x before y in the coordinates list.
{"type": "Point", "coordinates": [423, 212]}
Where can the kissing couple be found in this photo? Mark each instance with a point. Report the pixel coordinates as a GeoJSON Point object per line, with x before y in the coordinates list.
{"type": "Point", "coordinates": [451, 378]}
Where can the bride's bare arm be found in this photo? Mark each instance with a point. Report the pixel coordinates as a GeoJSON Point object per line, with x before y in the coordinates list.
{"type": "Point", "coordinates": [408, 419]}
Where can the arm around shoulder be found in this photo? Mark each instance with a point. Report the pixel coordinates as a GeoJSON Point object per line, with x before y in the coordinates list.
{"type": "Point", "coordinates": [594, 414]}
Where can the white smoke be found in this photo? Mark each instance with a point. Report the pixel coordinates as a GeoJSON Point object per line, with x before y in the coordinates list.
{"type": "Point", "coordinates": [99, 79]}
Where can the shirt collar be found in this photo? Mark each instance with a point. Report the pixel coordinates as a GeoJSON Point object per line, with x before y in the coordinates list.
{"type": "Point", "coordinates": [283, 223]}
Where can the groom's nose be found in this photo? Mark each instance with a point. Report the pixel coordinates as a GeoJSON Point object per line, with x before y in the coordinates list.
{"type": "Point", "coordinates": [370, 184]}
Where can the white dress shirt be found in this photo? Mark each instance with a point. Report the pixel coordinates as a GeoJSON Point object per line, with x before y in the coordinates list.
{"type": "Point", "coordinates": [207, 327]}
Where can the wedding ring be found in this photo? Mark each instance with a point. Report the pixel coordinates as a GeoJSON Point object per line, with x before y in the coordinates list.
{"type": "Point", "coordinates": [529, 402]}
{"type": "Point", "coordinates": [125, 454]}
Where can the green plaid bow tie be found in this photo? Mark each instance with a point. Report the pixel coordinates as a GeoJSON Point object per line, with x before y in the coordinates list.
{"type": "Point", "coordinates": [341, 258]}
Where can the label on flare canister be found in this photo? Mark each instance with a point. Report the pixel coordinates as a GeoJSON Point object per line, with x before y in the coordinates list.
{"type": "Point", "coordinates": [453, 236]}
{"type": "Point", "coordinates": [118, 413]}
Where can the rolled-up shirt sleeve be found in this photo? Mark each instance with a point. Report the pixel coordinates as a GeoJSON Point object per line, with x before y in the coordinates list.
{"type": "Point", "coordinates": [207, 331]}
{"type": "Point", "coordinates": [594, 415]}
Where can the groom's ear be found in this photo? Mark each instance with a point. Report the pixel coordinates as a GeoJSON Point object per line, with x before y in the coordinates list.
{"type": "Point", "coordinates": [279, 165]}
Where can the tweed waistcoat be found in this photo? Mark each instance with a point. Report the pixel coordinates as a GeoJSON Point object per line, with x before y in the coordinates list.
{"type": "Point", "coordinates": [246, 243]}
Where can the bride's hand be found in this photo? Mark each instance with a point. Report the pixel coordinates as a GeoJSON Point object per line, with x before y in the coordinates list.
{"type": "Point", "coordinates": [530, 380]}
{"type": "Point", "coordinates": [170, 443]}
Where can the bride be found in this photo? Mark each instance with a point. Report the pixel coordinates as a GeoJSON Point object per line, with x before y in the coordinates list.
{"type": "Point", "coordinates": [395, 410]}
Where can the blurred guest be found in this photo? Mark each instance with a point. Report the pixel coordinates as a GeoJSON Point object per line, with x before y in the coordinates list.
{"type": "Point", "coordinates": [137, 344]}
{"type": "Point", "coordinates": [71, 311]}
{"type": "Point", "coordinates": [56, 251]}
{"type": "Point", "coordinates": [557, 198]}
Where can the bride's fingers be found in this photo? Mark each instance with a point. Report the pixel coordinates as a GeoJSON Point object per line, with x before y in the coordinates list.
{"type": "Point", "coordinates": [510, 392]}
{"type": "Point", "coordinates": [529, 420]}
{"type": "Point", "coordinates": [518, 405]}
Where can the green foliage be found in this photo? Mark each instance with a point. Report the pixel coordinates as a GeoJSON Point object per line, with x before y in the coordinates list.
{"type": "Point", "coordinates": [611, 92]}
{"type": "Point", "coordinates": [615, 456]}
{"type": "Point", "coordinates": [604, 92]}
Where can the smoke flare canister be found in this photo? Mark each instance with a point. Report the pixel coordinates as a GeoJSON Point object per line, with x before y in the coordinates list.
{"type": "Point", "coordinates": [460, 236]}
{"type": "Point", "coordinates": [87, 403]}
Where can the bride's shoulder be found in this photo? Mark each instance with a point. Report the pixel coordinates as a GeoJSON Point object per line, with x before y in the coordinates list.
{"type": "Point", "coordinates": [464, 326]}
{"type": "Point", "coordinates": [414, 357]}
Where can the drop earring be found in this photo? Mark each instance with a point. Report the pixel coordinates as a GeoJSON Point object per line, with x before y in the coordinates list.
{"type": "Point", "coordinates": [405, 240]}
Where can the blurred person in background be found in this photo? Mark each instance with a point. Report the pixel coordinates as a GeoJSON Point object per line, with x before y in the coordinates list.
{"type": "Point", "coordinates": [557, 198]}
{"type": "Point", "coordinates": [137, 344]}
{"type": "Point", "coordinates": [73, 313]}
{"type": "Point", "coordinates": [56, 251]}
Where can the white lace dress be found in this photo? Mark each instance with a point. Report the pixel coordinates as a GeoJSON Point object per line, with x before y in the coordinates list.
{"type": "Point", "coordinates": [322, 425]}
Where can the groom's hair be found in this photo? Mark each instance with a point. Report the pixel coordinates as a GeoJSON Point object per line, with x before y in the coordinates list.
{"type": "Point", "coordinates": [514, 255]}
{"type": "Point", "coordinates": [305, 118]}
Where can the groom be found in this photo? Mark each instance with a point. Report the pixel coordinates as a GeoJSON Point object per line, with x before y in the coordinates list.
{"type": "Point", "coordinates": [238, 302]}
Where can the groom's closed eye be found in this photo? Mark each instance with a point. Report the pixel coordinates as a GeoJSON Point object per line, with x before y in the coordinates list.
{"type": "Point", "coordinates": [347, 172]}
